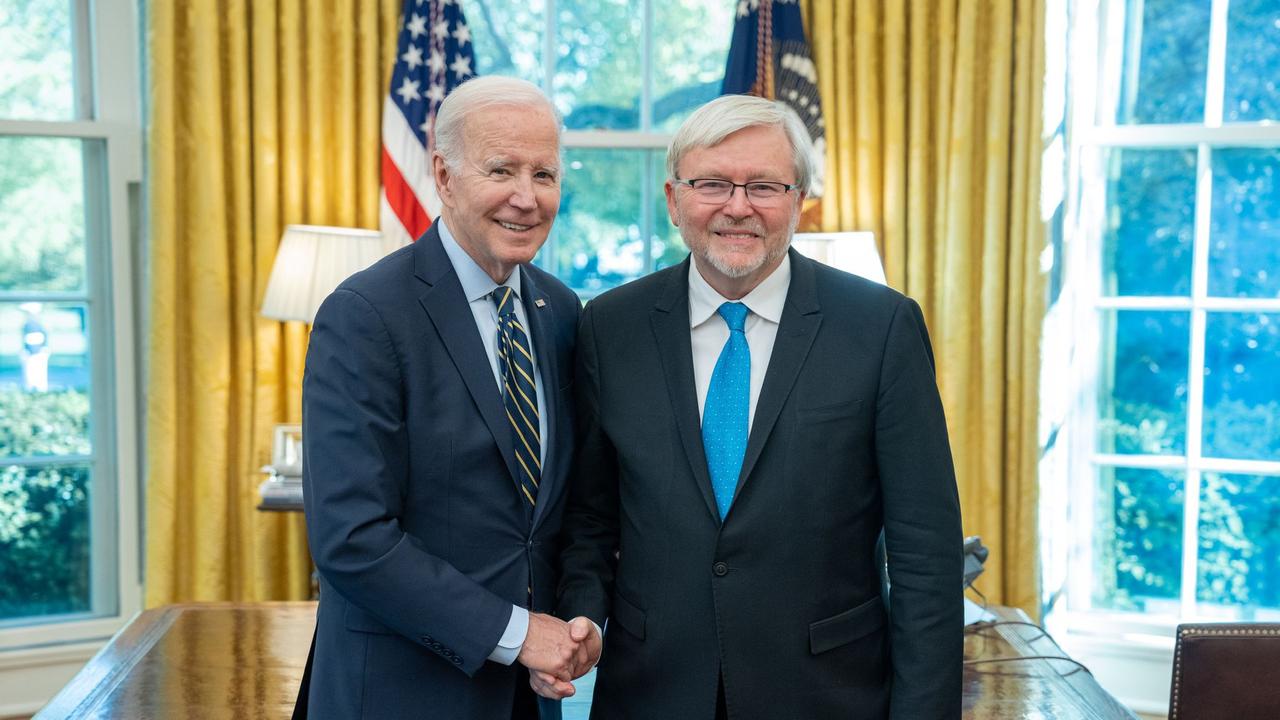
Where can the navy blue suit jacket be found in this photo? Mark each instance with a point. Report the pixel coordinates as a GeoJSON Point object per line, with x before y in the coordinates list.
{"type": "Point", "coordinates": [414, 515]}
{"type": "Point", "coordinates": [781, 600]}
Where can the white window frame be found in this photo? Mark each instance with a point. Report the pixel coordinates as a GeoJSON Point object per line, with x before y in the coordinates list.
{"type": "Point", "coordinates": [108, 84]}
{"type": "Point", "coordinates": [1131, 653]}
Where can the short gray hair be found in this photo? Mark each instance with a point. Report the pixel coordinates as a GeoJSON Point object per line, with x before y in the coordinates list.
{"type": "Point", "coordinates": [477, 94]}
{"type": "Point", "coordinates": [710, 124]}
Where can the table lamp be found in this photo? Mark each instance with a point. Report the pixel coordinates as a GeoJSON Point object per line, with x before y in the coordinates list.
{"type": "Point", "coordinates": [311, 262]}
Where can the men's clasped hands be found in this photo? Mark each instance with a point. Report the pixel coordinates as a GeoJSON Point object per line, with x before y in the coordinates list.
{"type": "Point", "coordinates": [557, 653]}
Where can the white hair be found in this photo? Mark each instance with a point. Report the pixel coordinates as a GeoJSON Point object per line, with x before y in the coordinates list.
{"type": "Point", "coordinates": [480, 93]}
{"type": "Point", "coordinates": [710, 124]}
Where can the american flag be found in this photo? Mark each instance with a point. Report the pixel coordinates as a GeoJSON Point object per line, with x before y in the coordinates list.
{"type": "Point", "coordinates": [433, 56]}
{"type": "Point", "coordinates": [769, 56]}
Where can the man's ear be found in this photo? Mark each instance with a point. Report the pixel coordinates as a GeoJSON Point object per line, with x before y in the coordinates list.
{"type": "Point", "coordinates": [442, 175]}
{"type": "Point", "coordinates": [670, 189]}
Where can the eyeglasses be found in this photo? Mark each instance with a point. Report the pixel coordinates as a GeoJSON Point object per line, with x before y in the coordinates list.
{"type": "Point", "coordinates": [715, 191]}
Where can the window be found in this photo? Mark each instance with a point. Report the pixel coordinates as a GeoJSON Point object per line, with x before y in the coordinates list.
{"type": "Point", "coordinates": [624, 74]}
{"type": "Point", "coordinates": [69, 147]}
{"type": "Point", "coordinates": [1173, 223]}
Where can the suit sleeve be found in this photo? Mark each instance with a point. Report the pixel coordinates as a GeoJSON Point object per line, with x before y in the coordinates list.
{"type": "Point", "coordinates": [923, 536]}
{"type": "Point", "coordinates": [590, 527]}
{"type": "Point", "coordinates": [355, 480]}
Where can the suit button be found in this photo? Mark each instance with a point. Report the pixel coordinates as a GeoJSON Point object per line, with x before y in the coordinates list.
{"type": "Point", "coordinates": [457, 660]}
{"type": "Point", "coordinates": [720, 569]}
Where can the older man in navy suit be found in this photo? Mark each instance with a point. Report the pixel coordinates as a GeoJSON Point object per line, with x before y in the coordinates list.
{"type": "Point", "coordinates": [438, 426]}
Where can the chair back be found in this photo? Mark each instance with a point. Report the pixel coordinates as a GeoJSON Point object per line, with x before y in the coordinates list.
{"type": "Point", "coordinates": [1226, 670]}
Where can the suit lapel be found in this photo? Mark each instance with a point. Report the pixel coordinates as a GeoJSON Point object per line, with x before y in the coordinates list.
{"type": "Point", "coordinates": [542, 327]}
{"type": "Point", "coordinates": [801, 317]}
{"type": "Point", "coordinates": [670, 319]}
{"type": "Point", "coordinates": [449, 311]}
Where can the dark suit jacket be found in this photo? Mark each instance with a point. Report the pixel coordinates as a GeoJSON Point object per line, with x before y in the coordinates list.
{"type": "Point", "coordinates": [783, 598]}
{"type": "Point", "coordinates": [414, 515]}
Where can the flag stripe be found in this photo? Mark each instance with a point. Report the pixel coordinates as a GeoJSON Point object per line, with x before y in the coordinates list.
{"type": "Point", "coordinates": [401, 198]}
{"type": "Point", "coordinates": [433, 56]}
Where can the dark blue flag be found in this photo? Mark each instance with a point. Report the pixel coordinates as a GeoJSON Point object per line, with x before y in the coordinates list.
{"type": "Point", "coordinates": [770, 57]}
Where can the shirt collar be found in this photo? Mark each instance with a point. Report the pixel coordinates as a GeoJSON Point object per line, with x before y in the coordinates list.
{"type": "Point", "coordinates": [766, 300]}
{"type": "Point", "coordinates": [476, 283]}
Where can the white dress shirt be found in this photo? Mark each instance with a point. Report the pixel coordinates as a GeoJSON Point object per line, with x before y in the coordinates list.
{"type": "Point", "coordinates": [708, 331]}
{"type": "Point", "coordinates": [477, 286]}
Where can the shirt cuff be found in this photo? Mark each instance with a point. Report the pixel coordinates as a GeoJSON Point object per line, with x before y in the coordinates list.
{"type": "Point", "coordinates": [512, 639]}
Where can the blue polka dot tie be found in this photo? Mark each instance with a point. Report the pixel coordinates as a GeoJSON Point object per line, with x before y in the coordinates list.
{"type": "Point", "coordinates": [724, 417]}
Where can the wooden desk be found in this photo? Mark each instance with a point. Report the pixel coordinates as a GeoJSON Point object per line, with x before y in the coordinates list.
{"type": "Point", "coordinates": [1028, 688]}
{"type": "Point", "coordinates": [229, 660]}
{"type": "Point", "coordinates": [198, 660]}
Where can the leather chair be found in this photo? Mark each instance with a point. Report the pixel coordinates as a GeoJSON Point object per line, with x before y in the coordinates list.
{"type": "Point", "coordinates": [1226, 670]}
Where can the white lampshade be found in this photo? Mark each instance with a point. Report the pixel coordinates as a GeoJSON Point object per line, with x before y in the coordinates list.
{"type": "Point", "coordinates": [310, 263]}
{"type": "Point", "coordinates": [853, 252]}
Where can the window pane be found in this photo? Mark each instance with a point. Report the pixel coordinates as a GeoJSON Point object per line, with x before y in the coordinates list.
{"type": "Point", "coordinates": [1242, 386]}
{"type": "Point", "coordinates": [44, 540]}
{"type": "Point", "coordinates": [37, 81]}
{"type": "Point", "coordinates": [1166, 52]}
{"type": "Point", "coordinates": [1150, 222]}
{"type": "Point", "coordinates": [1142, 400]}
{"type": "Point", "coordinates": [690, 45]}
{"type": "Point", "coordinates": [507, 37]}
{"type": "Point", "coordinates": [1239, 544]}
{"type": "Point", "coordinates": [596, 243]}
{"type": "Point", "coordinates": [44, 380]}
{"type": "Point", "coordinates": [1253, 61]}
{"type": "Point", "coordinates": [598, 77]}
{"type": "Point", "coordinates": [1244, 255]}
{"type": "Point", "coordinates": [41, 214]}
{"type": "Point", "coordinates": [1138, 543]}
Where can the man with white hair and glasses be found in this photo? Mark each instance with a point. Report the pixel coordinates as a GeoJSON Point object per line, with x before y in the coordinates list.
{"type": "Point", "coordinates": [750, 421]}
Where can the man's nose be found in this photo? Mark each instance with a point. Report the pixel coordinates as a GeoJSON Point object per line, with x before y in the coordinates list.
{"type": "Point", "coordinates": [738, 205]}
{"type": "Point", "coordinates": [522, 195]}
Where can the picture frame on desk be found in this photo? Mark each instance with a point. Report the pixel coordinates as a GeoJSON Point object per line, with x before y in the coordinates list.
{"type": "Point", "coordinates": [286, 450]}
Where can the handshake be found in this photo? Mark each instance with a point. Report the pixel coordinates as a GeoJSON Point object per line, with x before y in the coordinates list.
{"type": "Point", "coordinates": [558, 652]}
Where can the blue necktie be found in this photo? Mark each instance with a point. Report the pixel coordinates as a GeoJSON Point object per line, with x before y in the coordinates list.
{"type": "Point", "coordinates": [518, 392]}
{"type": "Point", "coordinates": [724, 417]}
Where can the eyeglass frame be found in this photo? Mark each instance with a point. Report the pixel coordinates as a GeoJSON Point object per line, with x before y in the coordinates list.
{"type": "Point", "coordinates": [733, 188]}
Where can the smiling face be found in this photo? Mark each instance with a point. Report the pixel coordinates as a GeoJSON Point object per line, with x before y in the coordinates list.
{"type": "Point", "coordinates": [736, 244]}
{"type": "Point", "coordinates": [500, 201]}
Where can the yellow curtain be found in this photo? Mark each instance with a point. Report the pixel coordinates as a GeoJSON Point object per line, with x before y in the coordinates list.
{"type": "Point", "coordinates": [933, 117]}
{"type": "Point", "coordinates": [261, 114]}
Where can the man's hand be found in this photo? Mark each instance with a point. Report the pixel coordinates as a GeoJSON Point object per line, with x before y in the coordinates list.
{"type": "Point", "coordinates": [583, 631]}
{"type": "Point", "coordinates": [549, 647]}
{"type": "Point", "coordinates": [583, 651]}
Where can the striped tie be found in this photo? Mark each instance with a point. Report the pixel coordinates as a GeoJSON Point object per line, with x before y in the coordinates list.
{"type": "Point", "coordinates": [519, 392]}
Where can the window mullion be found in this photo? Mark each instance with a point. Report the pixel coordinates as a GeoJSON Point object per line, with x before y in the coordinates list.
{"type": "Point", "coordinates": [1216, 69]}
{"type": "Point", "coordinates": [82, 65]}
{"type": "Point", "coordinates": [1195, 379]}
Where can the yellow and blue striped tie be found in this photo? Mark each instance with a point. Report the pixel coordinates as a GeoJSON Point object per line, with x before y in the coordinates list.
{"type": "Point", "coordinates": [519, 392]}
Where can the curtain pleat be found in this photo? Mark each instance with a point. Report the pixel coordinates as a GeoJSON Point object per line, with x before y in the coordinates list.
{"type": "Point", "coordinates": [933, 143]}
{"type": "Point", "coordinates": [263, 113]}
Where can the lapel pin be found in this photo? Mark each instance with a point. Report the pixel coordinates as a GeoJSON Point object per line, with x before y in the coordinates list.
{"type": "Point", "coordinates": [540, 302]}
